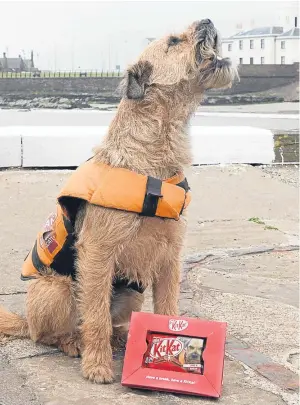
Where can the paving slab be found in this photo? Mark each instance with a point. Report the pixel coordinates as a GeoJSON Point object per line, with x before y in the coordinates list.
{"type": "Point", "coordinates": [236, 270]}
{"type": "Point", "coordinates": [13, 386]}
{"type": "Point", "coordinates": [53, 387]}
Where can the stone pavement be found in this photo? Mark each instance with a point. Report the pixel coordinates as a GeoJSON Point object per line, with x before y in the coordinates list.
{"type": "Point", "coordinates": [241, 267]}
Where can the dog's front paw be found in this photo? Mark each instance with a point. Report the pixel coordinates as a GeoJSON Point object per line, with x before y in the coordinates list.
{"type": "Point", "coordinates": [100, 374]}
{"type": "Point", "coordinates": [70, 345]}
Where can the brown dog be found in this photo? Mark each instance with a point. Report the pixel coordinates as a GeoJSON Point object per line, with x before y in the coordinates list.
{"type": "Point", "coordinates": [149, 136]}
{"type": "Point", "coordinates": [194, 350]}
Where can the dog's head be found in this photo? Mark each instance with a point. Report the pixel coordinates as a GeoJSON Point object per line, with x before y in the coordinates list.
{"type": "Point", "coordinates": [193, 351]}
{"type": "Point", "coordinates": [192, 57]}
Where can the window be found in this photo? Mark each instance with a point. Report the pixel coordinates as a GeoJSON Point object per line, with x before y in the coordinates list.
{"type": "Point", "coordinates": [262, 44]}
{"type": "Point", "coordinates": [229, 47]}
{"type": "Point", "coordinates": [282, 44]}
{"type": "Point", "coordinates": [241, 61]}
{"type": "Point", "coordinates": [240, 44]}
{"type": "Point", "coordinates": [251, 61]}
{"type": "Point", "coordinates": [282, 60]}
{"type": "Point", "coordinates": [251, 43]}
{"type": "Point", "coordinates": [262, 60]}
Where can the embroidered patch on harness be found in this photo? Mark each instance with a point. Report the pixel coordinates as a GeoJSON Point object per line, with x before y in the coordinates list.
{"type": "Point", "coordinates": [50, 221]}
{"type": "Point", "coordinates": [48, 241]}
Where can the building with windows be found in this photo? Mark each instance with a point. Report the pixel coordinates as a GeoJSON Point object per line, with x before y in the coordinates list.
{"type": "Point", "coordinates": [287, 47]}
{"type": "Point", "coordinates": [267, 45]}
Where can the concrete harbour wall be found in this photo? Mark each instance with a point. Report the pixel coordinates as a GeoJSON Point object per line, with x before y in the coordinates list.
{"type": "Point", "coordinates": [253, 79]}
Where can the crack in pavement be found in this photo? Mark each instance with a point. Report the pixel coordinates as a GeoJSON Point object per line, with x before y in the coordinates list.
{"type": "Point", "coordinates": [13, 293]}
{"type": "Point", "coordinates": [193, 260]}
{"type": "Point", "coordinates": [46, 353]}
{"type": "Point", "coordinates": [211, 221]}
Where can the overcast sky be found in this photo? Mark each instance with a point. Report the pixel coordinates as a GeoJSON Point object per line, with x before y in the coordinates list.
{"type": "Point", "coordinates": [101, 35]}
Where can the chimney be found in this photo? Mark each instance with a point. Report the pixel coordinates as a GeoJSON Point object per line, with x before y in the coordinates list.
{"type": "Point", "coordinates": [5, 66]}
{"type": "Point", "coordinates": [31, 59]}
{"type": "Point", "coordinates": [296, 22]}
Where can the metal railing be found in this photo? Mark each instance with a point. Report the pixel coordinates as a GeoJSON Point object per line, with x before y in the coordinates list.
{"type": "Point", "coordinates": [58, 74]}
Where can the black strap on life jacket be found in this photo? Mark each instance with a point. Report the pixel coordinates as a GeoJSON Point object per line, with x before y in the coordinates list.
{"type": "Point", "coordinates": [184, 184]}
{"type": "Point", "coordinates": [153, 193]}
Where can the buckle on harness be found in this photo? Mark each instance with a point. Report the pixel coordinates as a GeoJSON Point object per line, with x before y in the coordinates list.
{"type": "Point", "coordinates": [153, 193]}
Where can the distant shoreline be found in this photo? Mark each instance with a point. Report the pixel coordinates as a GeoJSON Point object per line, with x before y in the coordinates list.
{"type": "Point", "coordinates": [107, 103]}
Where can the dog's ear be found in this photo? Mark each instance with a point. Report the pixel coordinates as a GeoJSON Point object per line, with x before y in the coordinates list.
{"type": "Point", "coordinates": [136, 79]}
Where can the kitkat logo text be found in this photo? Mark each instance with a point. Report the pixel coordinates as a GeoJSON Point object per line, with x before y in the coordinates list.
{"type": "Point", "coordinates": [165, 348]}
{"type": "Point", "coordinates": [177, 325]}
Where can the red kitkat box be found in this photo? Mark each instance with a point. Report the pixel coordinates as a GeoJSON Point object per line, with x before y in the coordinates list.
{"type": "Point", "coordinates": [175, 354]}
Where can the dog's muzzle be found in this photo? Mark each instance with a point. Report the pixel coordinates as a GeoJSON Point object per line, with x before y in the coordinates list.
{"type": "Point", "coordinates": [206, 37]}
{"type": "Point", "coordinates": [205, 30]}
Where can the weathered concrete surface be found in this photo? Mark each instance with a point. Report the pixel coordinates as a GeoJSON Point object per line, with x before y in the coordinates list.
{"type": "Point", "coordinates": [239, 271]}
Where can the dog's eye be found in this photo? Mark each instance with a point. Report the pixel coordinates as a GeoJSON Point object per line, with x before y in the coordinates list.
{"type": "Point", "coordinates": [173, 41]}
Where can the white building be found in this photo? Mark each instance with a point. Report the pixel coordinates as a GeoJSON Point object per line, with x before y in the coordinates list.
{"type": "Point", "coordinates": [287, 47]}
{"type": "Point", "coordinates": [267, 45]}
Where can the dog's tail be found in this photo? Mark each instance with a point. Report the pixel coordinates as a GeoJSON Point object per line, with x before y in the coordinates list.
{"type": "Point", "coordinates": [12, 324]}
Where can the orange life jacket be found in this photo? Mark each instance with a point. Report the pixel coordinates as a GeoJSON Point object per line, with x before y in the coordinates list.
{"type": "Point", "coordinates": [110, 187]}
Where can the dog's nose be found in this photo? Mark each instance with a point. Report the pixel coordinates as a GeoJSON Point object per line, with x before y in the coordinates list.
{"type": "Point", "coordinates": [206, 21]}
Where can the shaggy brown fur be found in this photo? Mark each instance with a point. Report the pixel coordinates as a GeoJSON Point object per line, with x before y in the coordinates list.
{"type": "Point", "coordinates": [148, 135]}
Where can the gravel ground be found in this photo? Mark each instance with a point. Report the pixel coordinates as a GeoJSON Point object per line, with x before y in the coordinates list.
{"type": "Point", "coordinates": [288, 174]}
